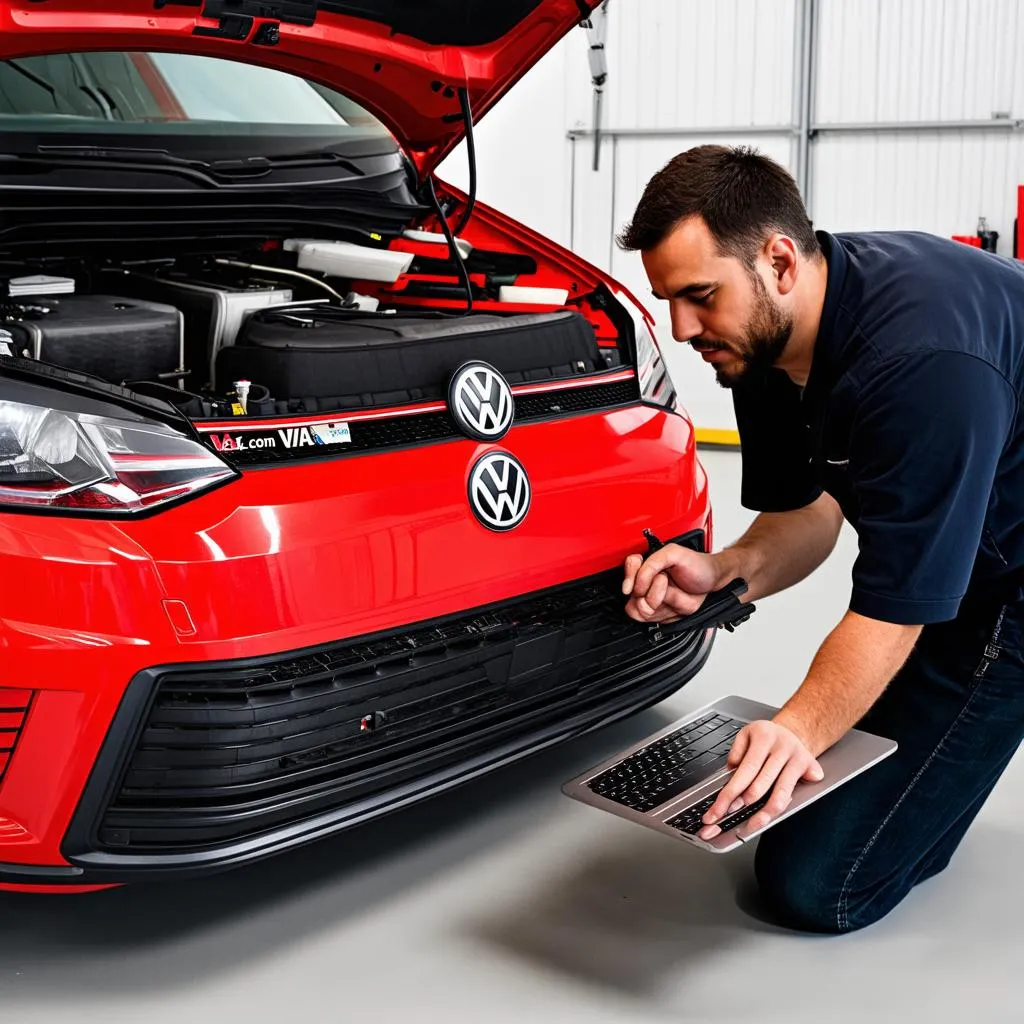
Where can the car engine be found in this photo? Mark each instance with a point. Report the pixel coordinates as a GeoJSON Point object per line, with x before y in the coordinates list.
{"type": "Point", "coordinates": [314, 325]}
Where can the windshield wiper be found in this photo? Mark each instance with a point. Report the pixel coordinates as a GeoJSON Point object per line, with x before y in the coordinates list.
{"type": "Point", "coordinates": [249, 166]}
{"type": "Point", "coordinates": [116, 159]}
{"type": "Point", "coordinates": [86, 81]}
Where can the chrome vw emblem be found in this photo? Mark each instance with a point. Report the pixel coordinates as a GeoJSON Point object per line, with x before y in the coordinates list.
{"type": "Point", "coordinates": [499, 491]}
{"type": "Point", "coordinates": [481, 401]}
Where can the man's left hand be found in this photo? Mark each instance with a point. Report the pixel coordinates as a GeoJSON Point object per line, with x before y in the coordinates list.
{"type": "Point", "coordinates": [766, 756]}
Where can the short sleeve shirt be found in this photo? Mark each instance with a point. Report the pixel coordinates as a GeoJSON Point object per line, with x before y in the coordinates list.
{"type": "Point", "coordinates": [909, 419]}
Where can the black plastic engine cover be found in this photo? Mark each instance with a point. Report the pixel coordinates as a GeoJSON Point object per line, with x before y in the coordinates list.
{"type": "Point", "coordinates": [375, 358]}
{"type": "Point", "coordinates": [114, 338]}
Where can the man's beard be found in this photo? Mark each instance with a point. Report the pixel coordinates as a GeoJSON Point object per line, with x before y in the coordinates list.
{"type": "Point", "coordinates": [766, 335]}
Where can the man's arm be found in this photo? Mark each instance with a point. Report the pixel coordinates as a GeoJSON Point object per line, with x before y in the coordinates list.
{"type": "Point", "coordinates": [850, 672]}
{"type": "Point", "coordinates": [782, 548]}
{"type": "Point", "coordinates": [852, 668]}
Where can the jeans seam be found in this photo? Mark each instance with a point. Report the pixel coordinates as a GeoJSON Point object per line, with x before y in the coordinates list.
{"type": "Point", "coordinates": [844, 895]}
{"type": "Point", "coordinates": [990, 654]}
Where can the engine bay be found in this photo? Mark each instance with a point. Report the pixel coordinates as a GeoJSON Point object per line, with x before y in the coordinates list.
{"type": "Point", "coordinates": [305, 325]}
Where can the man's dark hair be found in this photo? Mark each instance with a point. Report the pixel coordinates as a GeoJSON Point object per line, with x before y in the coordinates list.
{"type": "Point", "coordinates": [741, 195]}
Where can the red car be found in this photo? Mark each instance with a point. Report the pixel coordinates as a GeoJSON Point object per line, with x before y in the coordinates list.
{"type": "Point", "coordinates": [316, 475]}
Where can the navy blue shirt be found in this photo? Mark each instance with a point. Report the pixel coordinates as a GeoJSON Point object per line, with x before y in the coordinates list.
{"type": "Point", "coordinates": [909, 419]}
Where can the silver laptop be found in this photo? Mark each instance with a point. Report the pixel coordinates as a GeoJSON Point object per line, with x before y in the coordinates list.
{"type": "Point", "coordinates": [670, 779]}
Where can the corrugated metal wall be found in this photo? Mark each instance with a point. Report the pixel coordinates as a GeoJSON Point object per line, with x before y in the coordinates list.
{"type": "Point", "coordinates": [917, 60]}
{"type": "Point", "coordinates": [899, 61]}
{"type": "Point", "coordinates": [687, 64]}
{"type": "Point", "coordinates": [696, 63]}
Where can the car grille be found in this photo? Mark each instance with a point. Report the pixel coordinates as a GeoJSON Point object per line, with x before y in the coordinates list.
{"type": "Point", "coordinates": [230, 751]}
{"type": "Point", "coordinates": [431, 427]}
{"type": "Point", "coordinates": [555, 403]}
{"type": "Point", "coordinates": [14, 708]}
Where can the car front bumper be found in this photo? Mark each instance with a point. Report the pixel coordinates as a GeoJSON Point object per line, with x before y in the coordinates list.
{"type": "Point", "coordinates": [320, 562]}
{"type": "Point", "coordinates": [152, 811]}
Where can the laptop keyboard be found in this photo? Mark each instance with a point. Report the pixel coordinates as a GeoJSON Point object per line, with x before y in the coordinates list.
{"type": "Point", "coordinates": [690, 823]}
{"type": "Point", "coordinates": [669, 766]}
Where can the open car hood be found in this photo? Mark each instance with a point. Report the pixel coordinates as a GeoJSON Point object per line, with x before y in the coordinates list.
{"type": "Point", "coordinates": [404, 60]}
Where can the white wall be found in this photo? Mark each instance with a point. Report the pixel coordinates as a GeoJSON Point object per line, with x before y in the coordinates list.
{"type": "Point", "coordinates": [522, 154]}
{"type": "Point", "coordinates": [678, 65]}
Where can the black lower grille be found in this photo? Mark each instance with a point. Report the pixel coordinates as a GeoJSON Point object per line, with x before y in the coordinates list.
{"type": "Point", "coordinates": [427, 427]}
{"type": "Point", "coordinates": [230, 751]}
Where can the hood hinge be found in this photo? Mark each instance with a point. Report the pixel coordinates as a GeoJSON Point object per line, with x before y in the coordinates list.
{"type": "Point", "coordinates": [236, 17]}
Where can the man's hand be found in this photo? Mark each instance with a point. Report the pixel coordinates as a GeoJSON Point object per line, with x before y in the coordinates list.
{"type": "Point", "coordinates": [849, 673]}
{"type": "Point", "coordinates": [671, 583]}
{"type": "Point", "coordinates": [766, 756]}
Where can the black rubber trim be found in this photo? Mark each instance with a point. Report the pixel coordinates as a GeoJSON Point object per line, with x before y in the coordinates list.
{"type": "Point", "coordinates": [37, 874]}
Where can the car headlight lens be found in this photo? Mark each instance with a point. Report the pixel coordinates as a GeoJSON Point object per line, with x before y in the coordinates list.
{"type": "Point", "coordinates": [58, 451]}
{"type": "Point", "coordinates": [655, 383]}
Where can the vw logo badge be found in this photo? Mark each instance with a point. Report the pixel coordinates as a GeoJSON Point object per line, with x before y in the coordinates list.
{"type": "Point", "coordinates": [499, 491]}
{"type": "Point", "coordinates": [481, 401]}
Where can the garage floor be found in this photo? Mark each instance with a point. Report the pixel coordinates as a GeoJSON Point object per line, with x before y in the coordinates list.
{"type": "Point", "coordinates": [508, 902]}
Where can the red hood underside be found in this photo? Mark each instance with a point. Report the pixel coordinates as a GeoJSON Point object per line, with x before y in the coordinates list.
{"type": "Point", "coordinates": [410, 83]}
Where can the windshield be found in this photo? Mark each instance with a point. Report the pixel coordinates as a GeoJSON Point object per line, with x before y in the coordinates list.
{"type": "Point", "coordinates": [161, 93]}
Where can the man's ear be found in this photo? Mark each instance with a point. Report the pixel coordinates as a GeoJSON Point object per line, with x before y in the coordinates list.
{"type": "Point", "coordinates": [781, 253]}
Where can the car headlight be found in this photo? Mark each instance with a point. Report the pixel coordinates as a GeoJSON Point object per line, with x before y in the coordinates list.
{"type": "Point", "coordinates": [74, 454]}
{"type": "Point", "coordinates": [656, 384]}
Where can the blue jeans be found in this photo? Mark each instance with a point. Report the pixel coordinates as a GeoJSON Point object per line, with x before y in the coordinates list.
{"type": "Point", "coordinates": [956, 709]}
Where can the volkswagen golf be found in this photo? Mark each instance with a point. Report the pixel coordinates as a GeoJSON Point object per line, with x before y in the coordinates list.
{"type": "Point", "coordinates": [317, 475]}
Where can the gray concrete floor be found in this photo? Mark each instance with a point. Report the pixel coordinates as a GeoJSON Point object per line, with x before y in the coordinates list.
{"type": "Point", "coordinates": [508, 902]}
